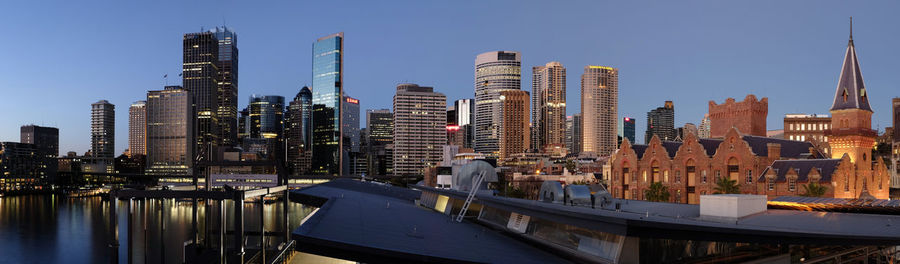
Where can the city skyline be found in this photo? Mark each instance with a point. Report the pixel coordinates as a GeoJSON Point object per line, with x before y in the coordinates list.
{"type": "Point", "coordinates": [806, 51]}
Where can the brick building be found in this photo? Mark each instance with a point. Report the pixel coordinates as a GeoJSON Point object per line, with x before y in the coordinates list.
{"type": "Point", "coordinates": [760, 165]}
{"type": "Point", "coordinates": [748, 116]}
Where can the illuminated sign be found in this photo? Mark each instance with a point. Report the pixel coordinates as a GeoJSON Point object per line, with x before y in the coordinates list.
{"type": "Point", "coordinates": [352, 100]}
{"type": "Point", "coordinates": [452, 128]}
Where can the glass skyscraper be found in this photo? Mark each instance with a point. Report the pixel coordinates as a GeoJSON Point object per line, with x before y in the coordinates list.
{"type": "Point", "coordinates": [228, 85]}
{"type": "Point", "coordinates": [327, 98]}
{"type": "Point", "coordinates": [495, 71]}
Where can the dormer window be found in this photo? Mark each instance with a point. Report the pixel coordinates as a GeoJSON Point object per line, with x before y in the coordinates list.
{"type": "Point", "coordinates": [862, 94]}
{"type": "Point", "coordinates": [844, 95]}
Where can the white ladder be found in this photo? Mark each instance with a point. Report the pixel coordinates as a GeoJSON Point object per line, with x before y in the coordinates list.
{"type": "Point", "coordinates": [465, 207]}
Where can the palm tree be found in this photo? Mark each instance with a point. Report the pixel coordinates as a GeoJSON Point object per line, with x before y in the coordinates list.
{"type": "Point", "coordinates": [814, 190]}
{"type": "Point", "coordinates": [657, 193]}
{"type": "Point", "coordinates": [726, 186]}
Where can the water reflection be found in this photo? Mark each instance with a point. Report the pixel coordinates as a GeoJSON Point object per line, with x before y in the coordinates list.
{"type": "Point", "coordinates": [55, 229]}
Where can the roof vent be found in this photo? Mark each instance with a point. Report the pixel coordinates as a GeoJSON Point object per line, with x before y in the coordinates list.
{"type": "Point", "coordinates": [730, 207]}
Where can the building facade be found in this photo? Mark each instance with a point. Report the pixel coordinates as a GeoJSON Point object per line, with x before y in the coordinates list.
{"type": "Point", "coordinates": [103, 129]}
{"type": "Point", "coordinates": [661, 122]}
{"type": "Point", "coordinates": [19, 167]}
{"type": "Point", "coordinates": [895, 148]}
{"type": "Point", "coordinates": [803, 127]}
{"type": "Point", "coordinates": [465, 119]}
{"type": "Point", "coordinates": [420, 123]}
{"type": "Point", "coordinates": [703, 130]}
{"type": "Point", "coordinates": [599, 109]}
{"type": "Point", "coordinates": [495, 71]}
{"type": "Point", "coordinates": [514, 123]}
{"type": "Point", "coordinates": [379, 139]}
{"type": "Point", "coordinates": [748, 115]}
{"type": "Point", "coordinates": [548, 102]}
{"type": "Point", "coordinates": [137, 128]}
{"type": "Point", "coordinates": [628, 128]}
{"type": "Point", "coordinates": [227, 94]}
{"type": "Point", "coordinates": [170, 133]}
{"type": "Point", "coordinates": [574, 137]}
{"type": "Point", "coordinates": [328, 95]}
{"type": "Point", "coordinates": [350, 123]}
{"type": "Point", "coordinates": [266, 124]}
{"type": "Point", "coordinates": [298, 132]}
{"type": "Point", "coordinates": [201, 76]}
{"type": "Point", "coordinates": [46, 142]}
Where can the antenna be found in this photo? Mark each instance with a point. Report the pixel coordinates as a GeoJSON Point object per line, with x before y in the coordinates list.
{"type": "Point", "coordinates": [851, 27]}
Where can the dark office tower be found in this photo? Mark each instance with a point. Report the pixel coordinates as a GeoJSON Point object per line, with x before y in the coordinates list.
{"type": "Point", "coordinates": [379, 133]}
{"type": "Point", "coordinates": [266, 125]}
{"type": "Point", "coordinates": [243, 127]}
{"type": "Point", "coordinates": [103, 129]}
{"type": "Point", "coordinates": [628, 129]}
{"type": "Point", "coordinates": [328, 94]}
{"type": "Point", "coordinates": [350, 123]}
{"type": "Point", "coordinates": [661, 122]}
{"type": "Point", "coordinates": [200, 73]}
{"type": "Point", "coordinates": [228, 85]}
{"type": "Point", "coordinates": [46, 141]}
{"type": "Point", "coordinates": [298, 131]}
{"type": "Point", "coordinates": [380, 126]}
{"type": "Point", "coordinates": [495, 71]}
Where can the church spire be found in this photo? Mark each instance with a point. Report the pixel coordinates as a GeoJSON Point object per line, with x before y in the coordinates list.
{"type": "Point", "coordinates": [851, 91]}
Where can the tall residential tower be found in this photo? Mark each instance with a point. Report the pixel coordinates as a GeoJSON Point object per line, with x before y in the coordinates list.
{"type": "Point", "coordinates": [495, 71]}
{"type": "Point", "coordinates": [548, 102]}
{"type": "Point", "coordinates": [599, 109]}
{"type": "Point", "coordinates": [137, 128]}
{"type": "Point", "coordinates": [420, 121]}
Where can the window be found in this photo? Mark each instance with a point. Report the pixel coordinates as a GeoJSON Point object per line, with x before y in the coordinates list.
{"type": "Point", "coordinates": [792, 184]}
{"type": "Point", "coordinates": [865, 185]}
{"type": "Point", "coordinates": [846, 184]}
{"type": "Point", "coordinates": [703, 176]}
{"type": "Point", "coordinates": [645, 176]}
{"type": "Point", "coordinates": [792, 137]}
{"type": "Point", "coordinates": [718, 175]}
{"type": "Point", "coordinates": [666, 176]}
{"type": "Point", "coordinates": [749, 176]}
{"type": "Point", "coordinates": [803, 127]}
{"type": "Point", "coordinates": [771, 183]}
{"type": "Point", "coordinates": [791, 127]}
{"type": "Point", "coordinates": [678, 176]}
{"type": "Point", "coordinates": [678, 196]}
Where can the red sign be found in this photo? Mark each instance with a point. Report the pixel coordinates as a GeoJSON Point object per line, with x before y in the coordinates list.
{"type": "Point", "coordinates": [452, 128]}
{"type": "Point", "coordinates": [352, 101]}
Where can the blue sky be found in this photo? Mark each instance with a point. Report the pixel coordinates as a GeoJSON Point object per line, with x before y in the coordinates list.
{"type": "Point", "coordinates": [56, 58]}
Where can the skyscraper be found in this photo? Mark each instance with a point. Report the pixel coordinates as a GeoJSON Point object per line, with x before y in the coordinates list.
{"type": "Point", "coordinates": [628, 129]}
{"type": "Point", "coordinates": [548, 103]}
{"type": "Point", "coordinates": [298, 132]}
{"type": "Point", "coordinates": [380, 131]}
{"type": "Point", "coordinates": [704, 129]}
{"type": "Point", "coordinates": [599, 109]}
{"type": "Point", "coordinates": [266, 125]}
{"type": "Point", "coordinates": [226, 108]}
{"type": "Point", "coordinates": [103, 129]}
{"type": "Point", "coordinates": [495, 71]}
{"type": "Point", "coordinates": [350, 121]}
{"type": "Point", "coordinates": [661, 122]}
{"type": "Point", "coordinates": [465, 110]}
{"type": "Point", "coordinates": [574, 127]}
{"type": "Point", "coordinates": [170, 133]}
{"type": "Point", "coordinates": [514, 136]}
{"type": "Point", "coordinates": [137, 128]}
{"type": "Point", "coordinates": [420, 122]}
{"type": "Point", "coordinates": [328, 93]}
{"type": "Point", "coordinates": [201, 76]}
{"type": "Point", "coordinates": [46, 142]}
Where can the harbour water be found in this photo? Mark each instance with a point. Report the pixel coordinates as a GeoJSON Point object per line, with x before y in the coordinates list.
{"type": "Point", "coordinates": [58, 229]}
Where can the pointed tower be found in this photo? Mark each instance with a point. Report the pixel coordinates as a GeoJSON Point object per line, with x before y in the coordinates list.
{"type": "Point", "coordinates": [851, 117]}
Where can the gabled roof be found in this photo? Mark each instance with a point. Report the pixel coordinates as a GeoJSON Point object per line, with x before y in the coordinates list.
{"type": "Point", "coordinates": [759, 146]}
{"type": "Point", "coordinates": [789, 148]}
{"type": "Point", "coordinates": [851, 91]}
{"type": "Point", "coordinates": [803, 167]}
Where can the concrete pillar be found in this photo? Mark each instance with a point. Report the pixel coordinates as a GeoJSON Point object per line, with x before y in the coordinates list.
{"type": "Point", "coordinates": [113, 229]}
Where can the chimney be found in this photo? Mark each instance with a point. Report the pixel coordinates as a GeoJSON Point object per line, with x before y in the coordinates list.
{"type": "Point", "coordinates": [774, 150]}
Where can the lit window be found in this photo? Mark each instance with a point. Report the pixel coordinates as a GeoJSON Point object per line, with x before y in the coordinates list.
{"type": "Point", "coordinates": [771, 183]}
{"type": "Point", "coordinates": [792, 184]}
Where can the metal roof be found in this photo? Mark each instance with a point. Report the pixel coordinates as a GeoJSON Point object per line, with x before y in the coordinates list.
{"type": "Point", "coordinates": [877, 206]}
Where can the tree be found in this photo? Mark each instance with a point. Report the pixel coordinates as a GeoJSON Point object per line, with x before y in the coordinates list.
{"type": "Point", "coordinates": [657, 193]}
{"type": "Point", "coordinates": [570, 165]}
{"type": "Point", "coordinates": [726, 186]}
{"type": "Point", "coordinates": [814, 190]}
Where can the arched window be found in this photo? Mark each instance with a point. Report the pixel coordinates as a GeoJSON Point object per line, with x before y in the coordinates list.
{"type": "Point", "coordinates": [654, 170]}
{"type": "Point", "coordinates": [691, 171]}
{"type": "Point", "coordinates": [703, 177]}
{"type": "Point", "coordinates": [678, 176]}
{"type": "Point", "coordinates": [666, 176]}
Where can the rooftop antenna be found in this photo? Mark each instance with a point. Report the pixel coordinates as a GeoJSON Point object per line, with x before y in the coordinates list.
{"type": "Point", "coordinates": [851, 28]}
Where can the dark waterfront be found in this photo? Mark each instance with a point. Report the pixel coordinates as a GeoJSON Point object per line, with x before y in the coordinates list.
{"type": "Point", "coordinates": [57, 229]}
